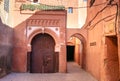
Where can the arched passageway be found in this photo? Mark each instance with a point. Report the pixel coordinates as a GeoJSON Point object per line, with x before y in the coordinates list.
{"type": "Point", "coordinates": [42, 58]}
{"type": "Point", "coordinates": [76, 49]}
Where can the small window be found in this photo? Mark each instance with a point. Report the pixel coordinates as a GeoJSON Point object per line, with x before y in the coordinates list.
{"type": "Point", "coordinates": [70, 10]}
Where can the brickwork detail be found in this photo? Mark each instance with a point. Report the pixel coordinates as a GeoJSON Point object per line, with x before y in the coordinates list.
{"type": "Point", "coordinates": [43, 22]}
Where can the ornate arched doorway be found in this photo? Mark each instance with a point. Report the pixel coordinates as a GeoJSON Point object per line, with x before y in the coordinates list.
{"type": "Point", "coordinates": [42, 57]}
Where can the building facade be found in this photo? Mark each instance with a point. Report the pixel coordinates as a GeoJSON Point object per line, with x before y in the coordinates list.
{"type": "Point", "coordinates": [103, 39]}
{"type": "Point", "coordinates": [93, 41]}
{"type": "Point", "coordinates": [30, 24]}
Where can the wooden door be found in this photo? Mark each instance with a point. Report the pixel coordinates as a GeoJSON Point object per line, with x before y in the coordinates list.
{"type": "Point", "coordinates": [42, 57]}
{"type": "Point", "coordinates": [111, 62]}
{"type": "Point", "coordinates": [35, 1]}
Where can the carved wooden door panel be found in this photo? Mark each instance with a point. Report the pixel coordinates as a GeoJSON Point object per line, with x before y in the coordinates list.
{"type": "Point", "coordinates": [42, 57]}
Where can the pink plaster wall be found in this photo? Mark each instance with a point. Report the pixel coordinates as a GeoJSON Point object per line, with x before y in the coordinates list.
{"type": "Point", "coordinates": [100, 23]}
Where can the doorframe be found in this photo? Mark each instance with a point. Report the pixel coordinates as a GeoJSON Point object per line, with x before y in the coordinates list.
{"type": "Point", "coordinates": [107, 59]}
{"type": "Point", "coordinates": [60, 47]}
{"type": "Point", "coordinates": [41, 37]}
{"type": "Point", "coordinates": [55, 51]}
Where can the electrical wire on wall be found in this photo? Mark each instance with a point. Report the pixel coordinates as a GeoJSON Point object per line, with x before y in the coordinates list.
{"type": "Point", "coordinates": [88, 6]}
{"type": "Point", "coordinates": [91, 5]}
{"type": "Point", "coordinates": [109, 3]}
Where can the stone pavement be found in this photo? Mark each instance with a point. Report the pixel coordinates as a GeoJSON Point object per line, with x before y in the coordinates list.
{"type": "Point", "coordinates": [75, 73]}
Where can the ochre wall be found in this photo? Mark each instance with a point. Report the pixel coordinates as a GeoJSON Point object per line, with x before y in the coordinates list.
{"type": "Point", "coordinates": [100, 23]}
{"type": "Point", "coordinates": [94, 51]}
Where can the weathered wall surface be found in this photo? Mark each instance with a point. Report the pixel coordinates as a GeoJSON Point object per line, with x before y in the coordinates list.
{"type": "Point", "coordinates": [111, 63]}
{"type": "Point", "coordinates": [101, 23]}
{"type": "Point", "coordinates": [6, 39]}
{"type": "Point", "coordinates": [119, 37]}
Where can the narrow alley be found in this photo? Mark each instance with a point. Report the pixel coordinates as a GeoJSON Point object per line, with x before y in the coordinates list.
{"type": "Point", "coordinates": [75, 73]}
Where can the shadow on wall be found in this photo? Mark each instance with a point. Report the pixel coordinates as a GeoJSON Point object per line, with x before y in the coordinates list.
{"type": "Point", "coordinates": [6, 38]}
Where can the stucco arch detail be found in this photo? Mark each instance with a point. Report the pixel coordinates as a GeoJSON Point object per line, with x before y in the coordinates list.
{"type": "Point", "coordinates": [48, 31]}
{"type": "Point", "coordinates": [79, 36]}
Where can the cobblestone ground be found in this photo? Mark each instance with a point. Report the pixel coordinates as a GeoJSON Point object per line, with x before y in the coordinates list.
{"type": "Point", "coordinates": [75, 73]}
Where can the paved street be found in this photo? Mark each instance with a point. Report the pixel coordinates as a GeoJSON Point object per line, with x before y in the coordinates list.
{"type": "Point", "coordinates": [75, 73]}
